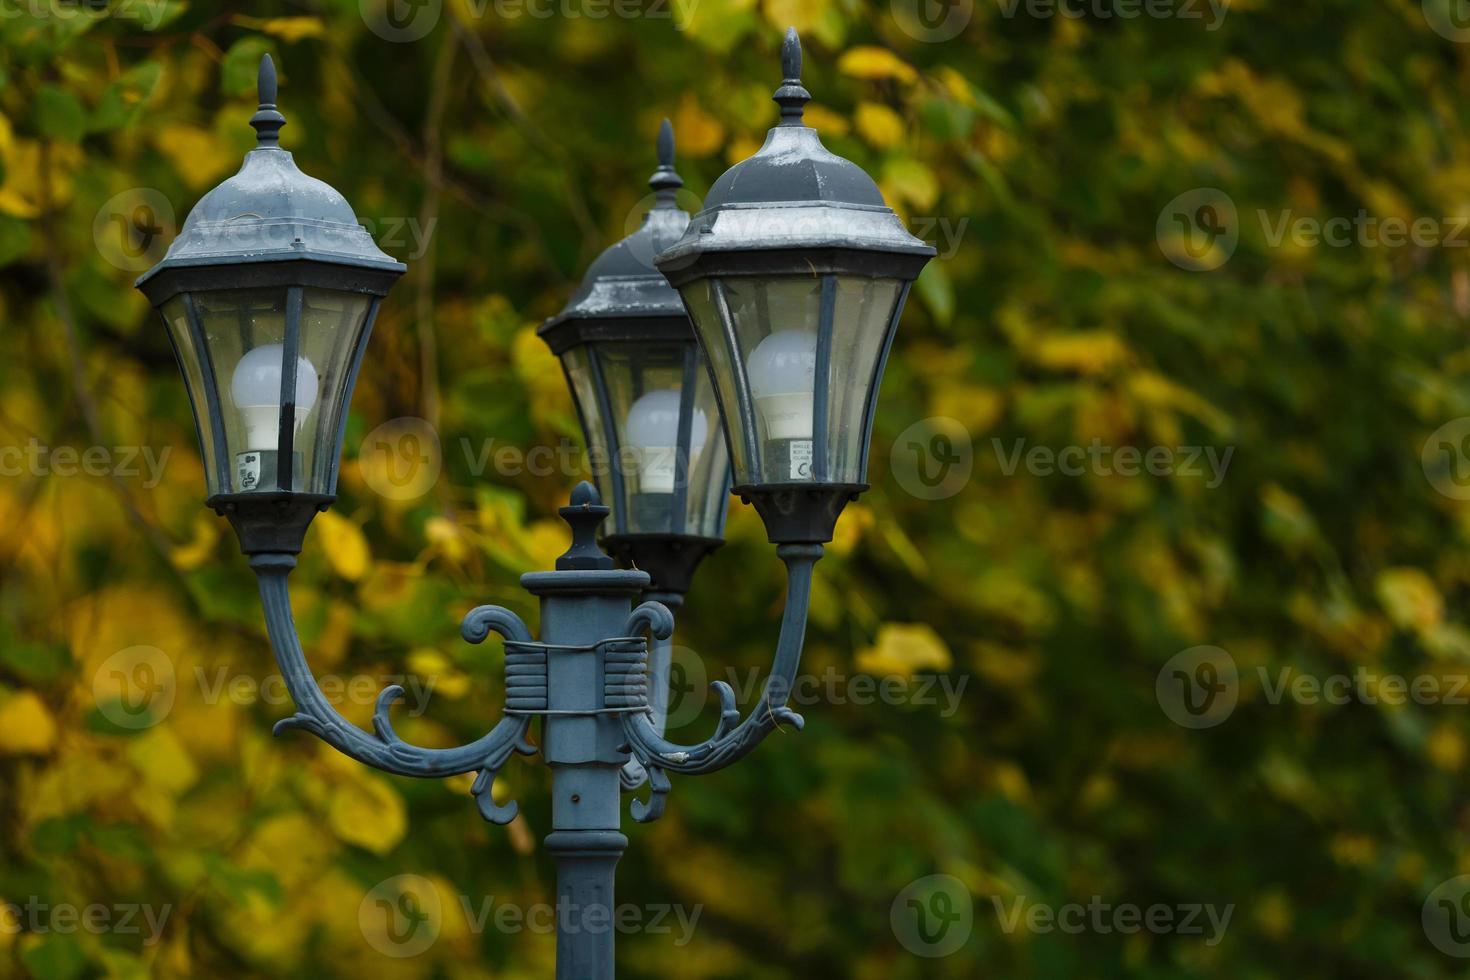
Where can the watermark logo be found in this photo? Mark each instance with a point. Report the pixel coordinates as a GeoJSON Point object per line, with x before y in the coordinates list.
{"type": "Point", "coordinates": [933, 916]}
{"type": "Point", "coordinates": [135, 687]}
{"type": "Point", "coordinates": [1450, 19]}
{"type": "Point", "coordinates": [688, 687]}
{"type": "Point", "coordinates": [400, 21]}
{"type": "Point", "coordinates": [132, 229]}
{"type": "Point", "coordinates": [401, 459]}
{"type": "Point", "coordinates": [1198, 687]}
{"type": "Point", "coordinates": [1199, 229]}
{"type": "Point", "coordinates": [1446, 458]}
{"type": "Point", "coordinates": [932, 21]}
{"type": "Point", "coordinates": [643, 248]}
{"type": "Point", "coordinates": [402, 916]}
{"type": "Point", "coordinates": [1446, 917]}
{"type": "Point", "coordinates": [933, 458]}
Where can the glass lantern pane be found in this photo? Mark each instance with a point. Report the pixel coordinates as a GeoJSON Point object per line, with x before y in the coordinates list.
{"type": "Point", "coordinates": [699, 301]}
{"type": "Point", "coordinates": [577, 365]}
{"type": "Point", "coordinates": [863, 313]}
{"type": "Point", "coordinates": [244, 330]}
{"type": "Point", "coordinates": [332, 323]}
{"type": "Point", "coordinates": [771, 407]}
{"type": "Point", "coordinates": [644, 384]}
{"type": "Point", "coordinates": [776, 323]}
{"type": "Point", "coordinates": [191, 364]}
{"type": "Point", "coordinates": [656, 478]}
{"type": "Point", "coordinates": [708, 499]}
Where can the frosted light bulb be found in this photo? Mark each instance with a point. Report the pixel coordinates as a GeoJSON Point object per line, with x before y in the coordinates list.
{"type": "Point", "coordinates": [256, 389]}
{"type": "Point", "coordinates": [783, 372]}
{"type": "Point", "coordinates": [652, 430]}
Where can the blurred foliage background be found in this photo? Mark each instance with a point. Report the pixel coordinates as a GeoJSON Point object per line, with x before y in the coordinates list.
{"type": "Point", "coordinates": [498, 153]}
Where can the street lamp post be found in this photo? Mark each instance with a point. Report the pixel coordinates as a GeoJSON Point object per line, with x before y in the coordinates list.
{"type": "Point", "coordinates": [793, 276]}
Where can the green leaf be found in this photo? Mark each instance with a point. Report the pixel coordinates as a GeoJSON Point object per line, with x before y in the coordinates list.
{"type": "Point", "coordinates": [937, 292]}
{"type": "Point", "coordinates": [59, 114]}
{"type": "Point", "coordinates": [15, 239]}
{"type": "Point", "coordinates": [242, 64]}
{"type": "Point", "coordinates": [123, 100]}
{"type": "Point", "coordinates": [56, 957]}
{"type": "Point", "coordinates": [31, 662]}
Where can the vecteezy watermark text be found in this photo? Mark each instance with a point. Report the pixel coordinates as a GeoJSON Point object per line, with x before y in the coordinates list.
{"type": "Point", "coordinates": [1200, 687]}
{"type": "Point", "coordinates": [362, 689]}
{"type": "Point", "coordinates": [1101, 460]}
{"type": "Point", "coordinates": [1212, 12]}
{"type": "Point", "coordinates": [1103, 918]}
{"type": "Point", "coordinates": [62, 918]}
{"type": "Point", "coordinates": [36, 458]}
{"type": "Point", "coordinates": [147, 12]}
{"type": "Point", "coordinates": [404, 915]}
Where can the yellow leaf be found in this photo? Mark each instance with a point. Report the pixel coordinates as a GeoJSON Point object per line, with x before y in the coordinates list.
{"type": "Point", "coordinates": [1087, 352]}
{"type": "Point", "coordinates": [855, 520]}
{"type": "Point", "coordinates": [447, 538]}
{"type": "Point", "coordinates": [1351, 849]}
{"type": "Point", "coordinates": [1410, 598]}
{"type": "Point", "coordinates": [911, 181]}
{"type": "Point", "coordinates": [197, 154]}
{"type": "Point", "coordinates": [975, 406]}
{"type": "Point", "coordinates": [188, 557]}
{"type": "Point", "coordinates": [1446, 748]}
{"type": "Point", "coordinates": [21, 193]}
{"type": "Point", "coordinates": [741, 147]}
{"type": "Point", "coordinates": [872, 62]}
{"type": "Point", "coordinates": [26, 725]}
{"type": "Point", "coordinates": [1012, 782]}
{"type": "Point", "coordinates": [825, 121]}
{"type": "Point", "coordinates": [904, 649]}
{"type": "Point", "coordinates": [545, 542]}
{"type": "Point", "coordinates": [367, 812]}
{"type": "Point", "coordinates": [345, 546]}
{"type": "Point", "coordinates": [537, 368]}
{"type": "Point", "coordinates": [879, 125]}
{"type": "Point", "coordinates": [699, 133]}
{"type": "Point", "coordinates": [438, 675]}
{"type": "Point", "coordinates": [293, 29]}
{"type": "Point", "coordinates": [162, 761]}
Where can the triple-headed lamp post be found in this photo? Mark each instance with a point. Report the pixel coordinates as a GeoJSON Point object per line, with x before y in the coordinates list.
{"type": "Point", "coordinates": [793, 276]}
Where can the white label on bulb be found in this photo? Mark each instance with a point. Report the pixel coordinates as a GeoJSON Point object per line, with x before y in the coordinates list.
{"type": "Point", "coordinates": [801, 459]}
{"type": "Point", "coordinates": [248, 466]}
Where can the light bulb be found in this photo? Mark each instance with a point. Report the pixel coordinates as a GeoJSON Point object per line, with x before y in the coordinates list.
{"type": "Point", "coordinates": [652, 431]}
{"type": "Point", "coordinates": [256, 389]}
{"type": "Point", "coordinates": [783, 371]}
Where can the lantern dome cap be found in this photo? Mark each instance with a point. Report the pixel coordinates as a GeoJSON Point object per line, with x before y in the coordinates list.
{"type": "Point", "coordinates": [623, 283]}
{"type": "Point", "coordinates": [793, 193]}
{"type": "Point", "coordinates": [272, 212]}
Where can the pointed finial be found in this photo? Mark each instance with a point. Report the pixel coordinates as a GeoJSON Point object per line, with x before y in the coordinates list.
{"type": "Point", "coordinates": [792, 95]}
{"type": "Point", "coordinates": [584, 515]}
{"type": "Point", "coordinates": [267, 121]}
{"type": "Point", "coordinates": [791, 54]}
{"type": "Point", "coordinates": [665, 182]}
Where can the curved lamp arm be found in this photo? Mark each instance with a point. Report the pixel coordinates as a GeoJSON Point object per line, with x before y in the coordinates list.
{"type": "Point", "coordinates": [734, 738]}
{"type": "Point", "coordinates": [660, 665]}
{"type": "Point", "coordinates": [384, 749]}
